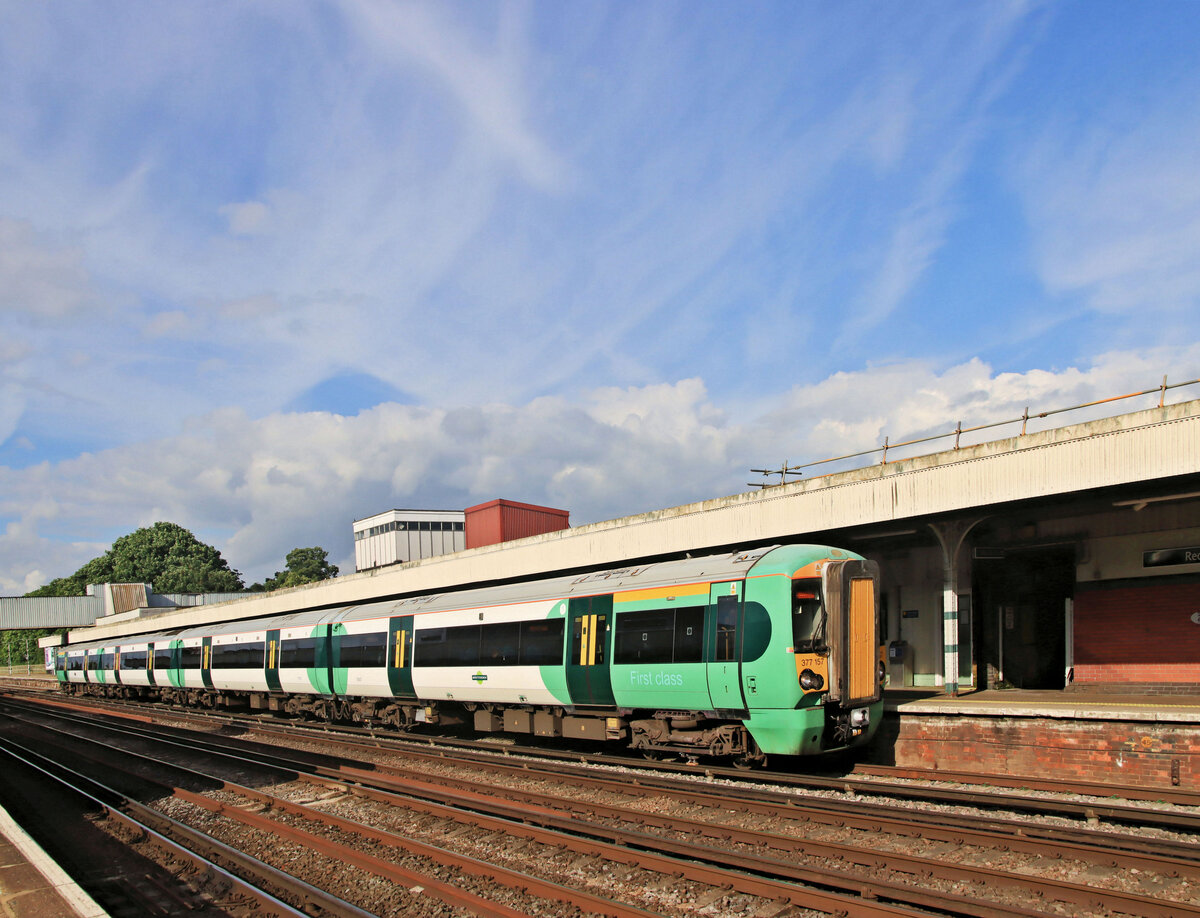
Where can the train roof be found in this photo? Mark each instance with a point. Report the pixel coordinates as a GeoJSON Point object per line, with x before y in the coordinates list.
{"type": "Point", "coordinates": [731, 566]}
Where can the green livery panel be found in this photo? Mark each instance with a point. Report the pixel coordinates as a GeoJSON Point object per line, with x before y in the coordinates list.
{"type": "Point", "coordinates": [587, 666]}
{"type": "Point", "coordinates": [399, 658]}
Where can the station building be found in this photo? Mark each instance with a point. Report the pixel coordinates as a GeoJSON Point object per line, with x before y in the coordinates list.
{"type": "Point", "coordinates": [1063, 560]}
{"type": "Point", "coordinates": [1067, 558]}
{"type": "Point", "coordinates": [397, 536]}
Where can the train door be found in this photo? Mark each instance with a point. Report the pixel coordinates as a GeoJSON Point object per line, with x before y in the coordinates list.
{"type": "Point", "coordinates": [399, 663]}
{"type": "Point", "coordinates": [725, 646]}
{"type": "Point", "coordinates": [588, 623]}
{"type": "Point", "coordinates": [271, 668]}
{"type": "Point", "coordinates": [321, 674]}
{"type": "Point", "coordinates": [206, 662]}
{"type": "Point", "coordinates": [175, 663]}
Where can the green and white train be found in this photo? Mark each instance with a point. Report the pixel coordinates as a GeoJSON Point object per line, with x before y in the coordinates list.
{"type": "Point", "coordinates": [766, 651]}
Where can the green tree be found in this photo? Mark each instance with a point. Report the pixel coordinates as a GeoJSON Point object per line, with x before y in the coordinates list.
{"type": "Point", "coordinates": [304, 565]}
{"type": "Point", "coordinates": [165, 555]}
{"type": "Point", "coordinates": [172, 559]}
{"type": "Point", "coordinates": [20, 648]}
{"type": "Point", "coordinates": [61, 586]}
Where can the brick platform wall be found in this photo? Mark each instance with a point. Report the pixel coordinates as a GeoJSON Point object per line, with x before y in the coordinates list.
{"type": "Point", "coordinates": [1117, 752]}
{"type": "Point", "coordinates": [1137, 632]}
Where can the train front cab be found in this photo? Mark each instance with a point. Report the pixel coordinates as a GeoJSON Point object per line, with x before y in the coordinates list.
{"type": "Point", "coordinates": [818, 686]}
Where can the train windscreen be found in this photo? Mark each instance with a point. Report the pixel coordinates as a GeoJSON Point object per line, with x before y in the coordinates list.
{"type": "Point", "coordinates": [808, 615]}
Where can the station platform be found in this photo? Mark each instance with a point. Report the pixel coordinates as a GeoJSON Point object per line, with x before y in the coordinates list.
{"type": "Point", "coordinates": [1174, 708]}
{"type": "Point", "coordinates": [1107, 737]}
{"type": "Point", "coordinates": [32, 885]}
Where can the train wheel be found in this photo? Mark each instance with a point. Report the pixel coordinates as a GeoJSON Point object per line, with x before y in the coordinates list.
{"type": "Point", "coordinates": [751, 758]}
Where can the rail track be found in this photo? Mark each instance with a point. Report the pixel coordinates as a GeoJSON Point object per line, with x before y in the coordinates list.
{"type": "Point", "coordinates": [1173, 809]}
{"type": "Point", "coordinates": [134, 861]}
{"type": "Point", "coordinates": [718, 846]}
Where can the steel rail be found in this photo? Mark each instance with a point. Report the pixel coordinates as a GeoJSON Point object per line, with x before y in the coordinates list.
{"type": "Point", "coordinates": [524, 812]}
{"type": "Point", "coordinates": [773, 880]}
{"type": "Point", "coordinates": [817, 809]}
{"type": "Point", "coordinates": [846, 783]}
{"type": "Point", "coordinates": [1090, 811]}
{"type": "Point", "coordinates": [716, 876]}
{"type": "Point", "coordinates": [445, 891]}
{"type": "Point", "coordinates": [155, 826]}
{"type": "Point", "coordinates": [535, 807]}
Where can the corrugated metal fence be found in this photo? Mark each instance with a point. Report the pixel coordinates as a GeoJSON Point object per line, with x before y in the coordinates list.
{"type": "Point", "coordinates": [19, 612]}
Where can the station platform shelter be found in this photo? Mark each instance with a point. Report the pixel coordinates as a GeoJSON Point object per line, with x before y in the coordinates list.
{"type": "Point", "coordinates": [1064, 560]}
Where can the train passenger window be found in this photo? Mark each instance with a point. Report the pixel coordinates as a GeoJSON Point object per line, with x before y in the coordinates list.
{"type": "Point", "coordinates": [501, 644]}
{"type": "Point", "coordinates": [462, 644]}
{"type": "Point", "coordinates": [689, 634]}
{"type": "Point", "coordinates": [727, 615]}
{"type": "Point", "coordinates": [645, 637]}
{"type": "Point", "coordinates": [447, 646]}
{"type": "Point", "coordinates": [238, 656]}
{"type": "Point", "coordinates": [430, 647]}
{"type": "Point", "coordinates": [593, 629]}
{"type": "Point", "coordinates": [189, 657]}
{"type": "Point", "coordinates": [133, 659]}
{"type": "Point", "coordinates": [298, 653]}
{"type": "Point", "coordinates": [162, 657]}
{"type": "Point", "coordinates": [542, 642]}
{"type": "Point", "coordinates": [363, 649]}
{"type": "Point", "coordinates": [808, 615]}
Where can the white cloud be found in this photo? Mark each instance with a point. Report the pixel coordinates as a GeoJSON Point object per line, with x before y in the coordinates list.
{"type": "Point", "coordinates": [248, 218]}
{"type": "Point", "coordinates": [259, 487]}
{"type": "Point", "coordinates": [1114, 205]}
{"type": "Point", "coordinates": [12, 406]}
{"type": "Point", "coordinates": [44, 280]}
{"type": "Point", "coordinates": [174, 323]}
{"type": "Point", "coordinates": [850, 412]}
{"type": "Point", "coordinates": [485, 82]}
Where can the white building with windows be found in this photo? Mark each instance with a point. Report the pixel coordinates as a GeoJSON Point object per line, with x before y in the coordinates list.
{"type": "Point", "coordinates": [395, 536]}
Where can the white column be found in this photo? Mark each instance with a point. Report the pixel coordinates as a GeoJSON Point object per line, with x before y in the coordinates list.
{"type": "Point", "coordinates": [950, 536]}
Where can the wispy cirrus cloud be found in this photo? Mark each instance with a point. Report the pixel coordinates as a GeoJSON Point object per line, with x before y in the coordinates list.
{"type": "Point", "coordinates": [1116, 209]}
{"type": "Point", "coordinates": [608, 256]}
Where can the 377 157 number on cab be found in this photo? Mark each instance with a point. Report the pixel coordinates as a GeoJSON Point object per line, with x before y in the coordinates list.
{"type": "Point", "coordinates": [766, 651]}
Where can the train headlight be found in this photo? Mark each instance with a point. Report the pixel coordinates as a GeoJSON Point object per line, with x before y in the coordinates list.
{"type": "Point", "coordinates": [811, 682]}
{"type": "Point", "coordinates": [860, 717]}
{"type": "Point", "coordinates": [880, 671]}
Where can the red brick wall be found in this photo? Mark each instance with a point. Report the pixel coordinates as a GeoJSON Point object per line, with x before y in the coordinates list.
{"type": "Point", "coordinates": [1137, 633]}
{"type": "Point", "coordinates": [1114, 752]}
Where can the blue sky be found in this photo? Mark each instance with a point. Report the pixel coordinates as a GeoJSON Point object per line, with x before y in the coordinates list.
{"type": "Point", "coordinates": [267, 268]}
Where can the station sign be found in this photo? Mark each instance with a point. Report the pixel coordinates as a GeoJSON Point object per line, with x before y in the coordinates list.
{"type": "Point", "coordinates": [1164, 557]}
